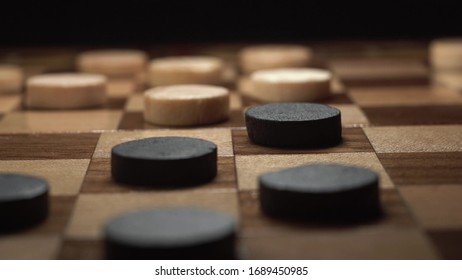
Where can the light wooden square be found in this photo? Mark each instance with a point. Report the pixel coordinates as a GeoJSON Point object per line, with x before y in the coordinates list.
{"type": "Point", "coordinates": [65, 177]}
{"type": "Point", "coordinates": [60, 121]}
{"type": "Point", "coordinates": [406, 139]}
{"type": "Point", "coordinates": [249, 168]}
{"type": "Point", "coordinates": [135, 103]}
{"type": "Point", "coordinates": [9, 102]}
{"type": "Point", "coordinates": [121, 87]}
{"type": "Point", "coordinates": [435, 207]}
{"type": "Point", "coordinates": [93, 211]}
{"type": "Point", "coordinates": [370, 243]}
{"type": "Point", "coordinates": [29, 247]}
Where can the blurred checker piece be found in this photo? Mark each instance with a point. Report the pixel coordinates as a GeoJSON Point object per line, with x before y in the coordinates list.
{"type": "Point", "coordinates": [66, 91]}
{"type": "Point", "coordinates": [171, 233]}
{"type": "Point", "coordinates": [446, 54]}
{"type": "Point", "coordinates": [186, 105]}
{"type": "Point", "coordinates": [289, 85]}
{"type": "Point", "coordinates": [114, 63]}
{"type": "Point", "coordinates": [23, 201]}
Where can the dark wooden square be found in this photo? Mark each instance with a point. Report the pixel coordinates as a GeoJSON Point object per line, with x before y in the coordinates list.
{"type": "Point", "coordinates": [48, 146]}
{"type": "Point", "coordinates": [354, 141]}
{"type": "Point", "coordinates": [423, 168]}
{"type": "Point", "coordinates": [414, 115]}
{"type": "Point", "coordinates": [115, 103]}
{"type": "Point", "coordinates": [448, 243]}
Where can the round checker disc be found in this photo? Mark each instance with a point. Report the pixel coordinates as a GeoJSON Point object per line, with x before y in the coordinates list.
{"type": "Point", "coordinates": [23, 201]}
{"type": "Point", "coordinates": [446, 54]}
{"type": "Point", "coordinates": [171, 233]}
{"type": "Point", "coordinates": [166, 161]}
{"type": "Point", "coordinates": [320, 191]}
{"type": "Point", "coordinates": [113, 63]}
{"type": "Point", "coordinates": [186, 105]}
{"type": "Point", "coordinates": [306, 125]}
{"type": "Point", "coordinates": [66, 91]}
{"type": "Point", "coordinates": [289, 85]}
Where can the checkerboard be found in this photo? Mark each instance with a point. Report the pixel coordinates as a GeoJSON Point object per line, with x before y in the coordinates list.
{"type": "Point", "coordinates": [394, 122]}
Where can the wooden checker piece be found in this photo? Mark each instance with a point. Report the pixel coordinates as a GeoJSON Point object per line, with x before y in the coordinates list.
{"type": "Point", "coordinates": [113, 63]}
{"type": "Point", "coordinates": [186, 105]}
{"type": "Point", "coordinates": [186, 70]}
{"type": "Point", "coordinates": [66, 91]}
{"type": "Point", "coordinates": [446, 54]}
{"type": "Point", "coordinates": [288, 85]}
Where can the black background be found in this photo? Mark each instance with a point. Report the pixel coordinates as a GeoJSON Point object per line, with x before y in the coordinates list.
{"type": "Point", "coordinates": [142, 22]}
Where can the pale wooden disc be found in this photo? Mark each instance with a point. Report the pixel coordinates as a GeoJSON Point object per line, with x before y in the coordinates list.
{"type": "Point", "coordinates": [113, 62]}
{"type": "Point", "coordinates": [186, 70]}
{"type": "Point", "coordinates": [274, 56]}
{"type": "Point", "coordinates": [289, 85]}
{"type": "Point", "coordinates": [186, 105]}
{"type": "Point", "coordinates": [66, 91]}
{"type": "Point", "coordinates": [446, 54]}
{"type": "Point", "coordinates": [11, 78]}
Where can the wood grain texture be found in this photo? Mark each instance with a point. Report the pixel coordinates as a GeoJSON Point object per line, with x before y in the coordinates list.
{"type": "Point", "coordinates": [423, 168]}
{"type": "Point", "coordinates": [436, 207]}
{"type": "Point", "coordinates": [415, 139]}
{"type": "Point", "coordinates": [394, 123]}
{"type": "Point", "coordinates": [47, 146]}
{"type": "Point", "coordinates": [394, 95]}
{"type": "Point", "coordinates": [414, 115]}
{"type": "Point", "coordinates": [380, 71]}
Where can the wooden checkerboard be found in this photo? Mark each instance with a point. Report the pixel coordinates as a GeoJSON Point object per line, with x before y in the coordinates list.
{"type": "Point", "coordinates": [394, 122]}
